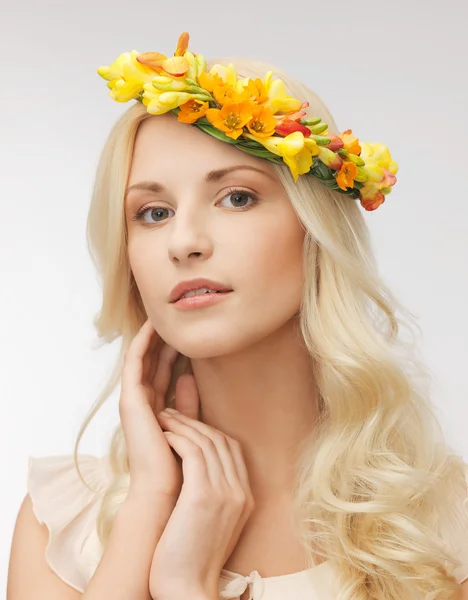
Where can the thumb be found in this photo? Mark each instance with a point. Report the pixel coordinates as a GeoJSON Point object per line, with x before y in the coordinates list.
{"type": "Point", "coordinates": [187, 400]}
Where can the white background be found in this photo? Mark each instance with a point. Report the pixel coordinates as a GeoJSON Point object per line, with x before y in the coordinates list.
{"type": "Point", "coordinates": [393, 72]}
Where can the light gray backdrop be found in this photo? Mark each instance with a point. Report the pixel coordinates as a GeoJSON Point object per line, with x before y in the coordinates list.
{"type": "Point", "coordinates": [394, 72]}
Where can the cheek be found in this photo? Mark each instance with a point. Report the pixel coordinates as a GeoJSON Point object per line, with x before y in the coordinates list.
{"type": "Point", "coordinates": [144, 266]}
{"type": "Point", "coordinates": [276, 259]}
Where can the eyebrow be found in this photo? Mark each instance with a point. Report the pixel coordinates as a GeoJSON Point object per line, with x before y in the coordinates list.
{"type": "Point", "coordinates": [215, 175]}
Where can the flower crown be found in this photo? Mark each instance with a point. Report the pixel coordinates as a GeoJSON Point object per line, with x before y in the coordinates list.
{"type": "Point", "coordinates": [256, 116]}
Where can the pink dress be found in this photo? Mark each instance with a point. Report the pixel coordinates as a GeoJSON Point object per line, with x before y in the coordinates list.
{"type": "Point", "coordinates": [69, 510]}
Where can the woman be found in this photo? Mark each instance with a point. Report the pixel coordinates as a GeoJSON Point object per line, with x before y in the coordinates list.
{"type": "Point", "coordinates": [304, 460]}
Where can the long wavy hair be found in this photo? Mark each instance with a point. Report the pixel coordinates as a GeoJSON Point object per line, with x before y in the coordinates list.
{"type": "Point", "coordinates": [372, 478]}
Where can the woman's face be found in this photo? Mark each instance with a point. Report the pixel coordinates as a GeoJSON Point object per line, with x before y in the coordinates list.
{"type": "Point", "coordinates": [219, 213]}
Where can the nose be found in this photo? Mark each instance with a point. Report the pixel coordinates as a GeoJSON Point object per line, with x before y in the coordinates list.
{"type": "Point", "coordinates": [189, 237]}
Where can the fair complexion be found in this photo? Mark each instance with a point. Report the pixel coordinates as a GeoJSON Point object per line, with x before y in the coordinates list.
{"type": "Point", "coordinates": [251, 368]}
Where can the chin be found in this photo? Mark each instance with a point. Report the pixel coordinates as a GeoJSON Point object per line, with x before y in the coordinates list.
{"type": "Point", "coordinates": [207, 345]}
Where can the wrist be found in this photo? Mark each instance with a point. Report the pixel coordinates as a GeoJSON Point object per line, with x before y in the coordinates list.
{"type": "Point", "coordinates": [141, 499]}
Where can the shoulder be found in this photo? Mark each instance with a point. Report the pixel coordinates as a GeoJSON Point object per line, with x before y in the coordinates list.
{"type": "Point", "coordinates": [55, 534]}
{"type": "Point", "coordinates": [29, 575]}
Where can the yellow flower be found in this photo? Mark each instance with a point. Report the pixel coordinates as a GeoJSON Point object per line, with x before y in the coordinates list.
{"type": "Point", "coordinates": [169, 84]}
{"type": "Point", "coordinates": [196, 65]}
{"type": "Point", "coordinates": [158, 102]}
{"type": "Point", "coordinates": [295, 150]}
{"type": "Point", "coordinates": [192, 110]}
{"type": "Point", "coordinates": [278, 99]}
{"type": "Point", "coordinates": [330, 158]}
{"type": "Point", "coordinates": [263, 123]}
{"type": "Point", "coordinates": [373, 192]}
{"type": "Point", "coordinates": [126, 76]}
{"type": "Point", "coordinates": [227, 73]}
{"type": "Point", "coordinates": [379, 155]}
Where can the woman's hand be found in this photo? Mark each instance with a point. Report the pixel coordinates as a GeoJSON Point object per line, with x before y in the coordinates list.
{"type": "Point", "coordinates": [155, 469]}
{"type": "Point", "coordinates": [213, 507]}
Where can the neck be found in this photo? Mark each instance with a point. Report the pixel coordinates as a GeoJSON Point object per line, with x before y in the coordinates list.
{"type": "Point", "coordinates": [264, 396]}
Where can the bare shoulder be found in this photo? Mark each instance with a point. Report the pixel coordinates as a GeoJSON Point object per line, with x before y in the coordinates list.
{"type": "Point", "coordinates": [29, 576]}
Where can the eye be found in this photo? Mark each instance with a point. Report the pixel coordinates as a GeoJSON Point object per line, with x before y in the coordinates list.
{"type": "Point", "coordinates": [159, 213]}
{"type": "Point", "coordinates": [156, 212]}
{"type": "Point", "coordinates": [237, 197]}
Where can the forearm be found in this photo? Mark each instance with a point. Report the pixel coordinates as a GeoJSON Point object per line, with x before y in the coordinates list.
{"type": "Point", "coordinates": [124, 569]}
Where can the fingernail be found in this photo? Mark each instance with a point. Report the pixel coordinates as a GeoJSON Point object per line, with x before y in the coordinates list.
{"type": "Point", "coordinates": [170, 411]}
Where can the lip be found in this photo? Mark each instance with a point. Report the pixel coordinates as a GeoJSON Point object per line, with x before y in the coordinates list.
{"type": "Point", "coordinates": [186, 286]}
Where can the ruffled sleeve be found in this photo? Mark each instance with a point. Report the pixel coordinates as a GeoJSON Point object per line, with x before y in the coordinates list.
{"type": "Point", "coordinates": [454, 526]}
{"type": "Point", "coordinates": [69, 509]}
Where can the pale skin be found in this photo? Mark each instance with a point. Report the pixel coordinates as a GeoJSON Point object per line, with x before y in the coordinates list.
{"type": "Point", "coordinates": [252, 373]}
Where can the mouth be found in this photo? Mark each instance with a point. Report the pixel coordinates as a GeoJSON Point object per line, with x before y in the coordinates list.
{"type": "Point", "coordinates": [201, 299]}
{"type": "Point", "coordinates": [197, 287]}
{"type": "Point", "coordinates": [205, 293]}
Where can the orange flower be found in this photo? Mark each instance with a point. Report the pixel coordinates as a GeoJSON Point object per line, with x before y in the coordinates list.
{"type": "Point", "coordinates": [350, 142]}
{"type": "Point", "coordinates": [153, 60]}
{"type": "Point", "coordinates": [346, 175]}
{"type": "Point", "coordinates": [255, 91]}
{"type": "Point", "coordinates": [177, 66]}
{"type": "Point", "coordinates": [224, 93]}
{"type": "Point", "coordinates": [209, 81]}
{"type": "Point", "coordinates": [372, 203]}
{"type": "Point", "coordinates": [182, 44]}
{"type": "Point", "coordinates": [192, 110]}
{"type": "Point", "coordinates": [263, 122]}
{"type": "Point", "coordinates": [231, 118]}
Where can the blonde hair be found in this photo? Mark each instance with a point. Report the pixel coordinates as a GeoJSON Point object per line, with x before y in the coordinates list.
{"type": "Point", "coordinates": [372, 478]}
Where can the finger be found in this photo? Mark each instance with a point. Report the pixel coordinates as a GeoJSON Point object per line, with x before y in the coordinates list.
{"type": "Point", "coordinates": [150, 360]}
{"type": "Point", "coordinates": [187, 399]}
{"type": "Point", "coordinates": [221, 466]}
{"type": "Point", "coordinates": [162, 378]}
{"type": "Point", "coordinates": [156, 345]}
{"type": "Point", "coordinates": [194, 467]}
{"type": "Point", "coordinates": [235, 449]}
{"type": "Point", "coordinates": [132, 373]}
{"type": "Point", "coordinates": [239, 461]}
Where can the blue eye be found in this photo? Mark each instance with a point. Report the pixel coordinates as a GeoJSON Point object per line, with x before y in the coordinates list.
{"type": "Point", "coordinates": [236, 197]}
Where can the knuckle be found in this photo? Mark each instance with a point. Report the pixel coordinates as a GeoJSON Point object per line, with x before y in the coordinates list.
{"type": "Point", "coordinates": [195, 452]}
{"type": "Point", "coordinates": [210, 443]}
{"type": "Point", "coordinates": [235, 445]}
{"type": "Point", "coordinates": [239, 497]}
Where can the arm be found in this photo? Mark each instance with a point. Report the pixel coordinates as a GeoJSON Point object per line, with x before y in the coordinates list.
{"type": "Point", "coordinates": [464, 590]}
{"type": "Point", "coordinates": [122, 573]}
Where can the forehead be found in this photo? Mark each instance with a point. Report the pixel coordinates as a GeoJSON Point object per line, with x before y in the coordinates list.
{"type": "Point", "coordinates": [166, 148]}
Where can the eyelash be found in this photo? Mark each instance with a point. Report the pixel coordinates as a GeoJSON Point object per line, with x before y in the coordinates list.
{"type": "Point", "coordinates": [138, 216]}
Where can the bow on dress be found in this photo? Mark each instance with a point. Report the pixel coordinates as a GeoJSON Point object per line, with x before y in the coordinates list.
{"type": "Point", "coordinates": [236, 587]}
